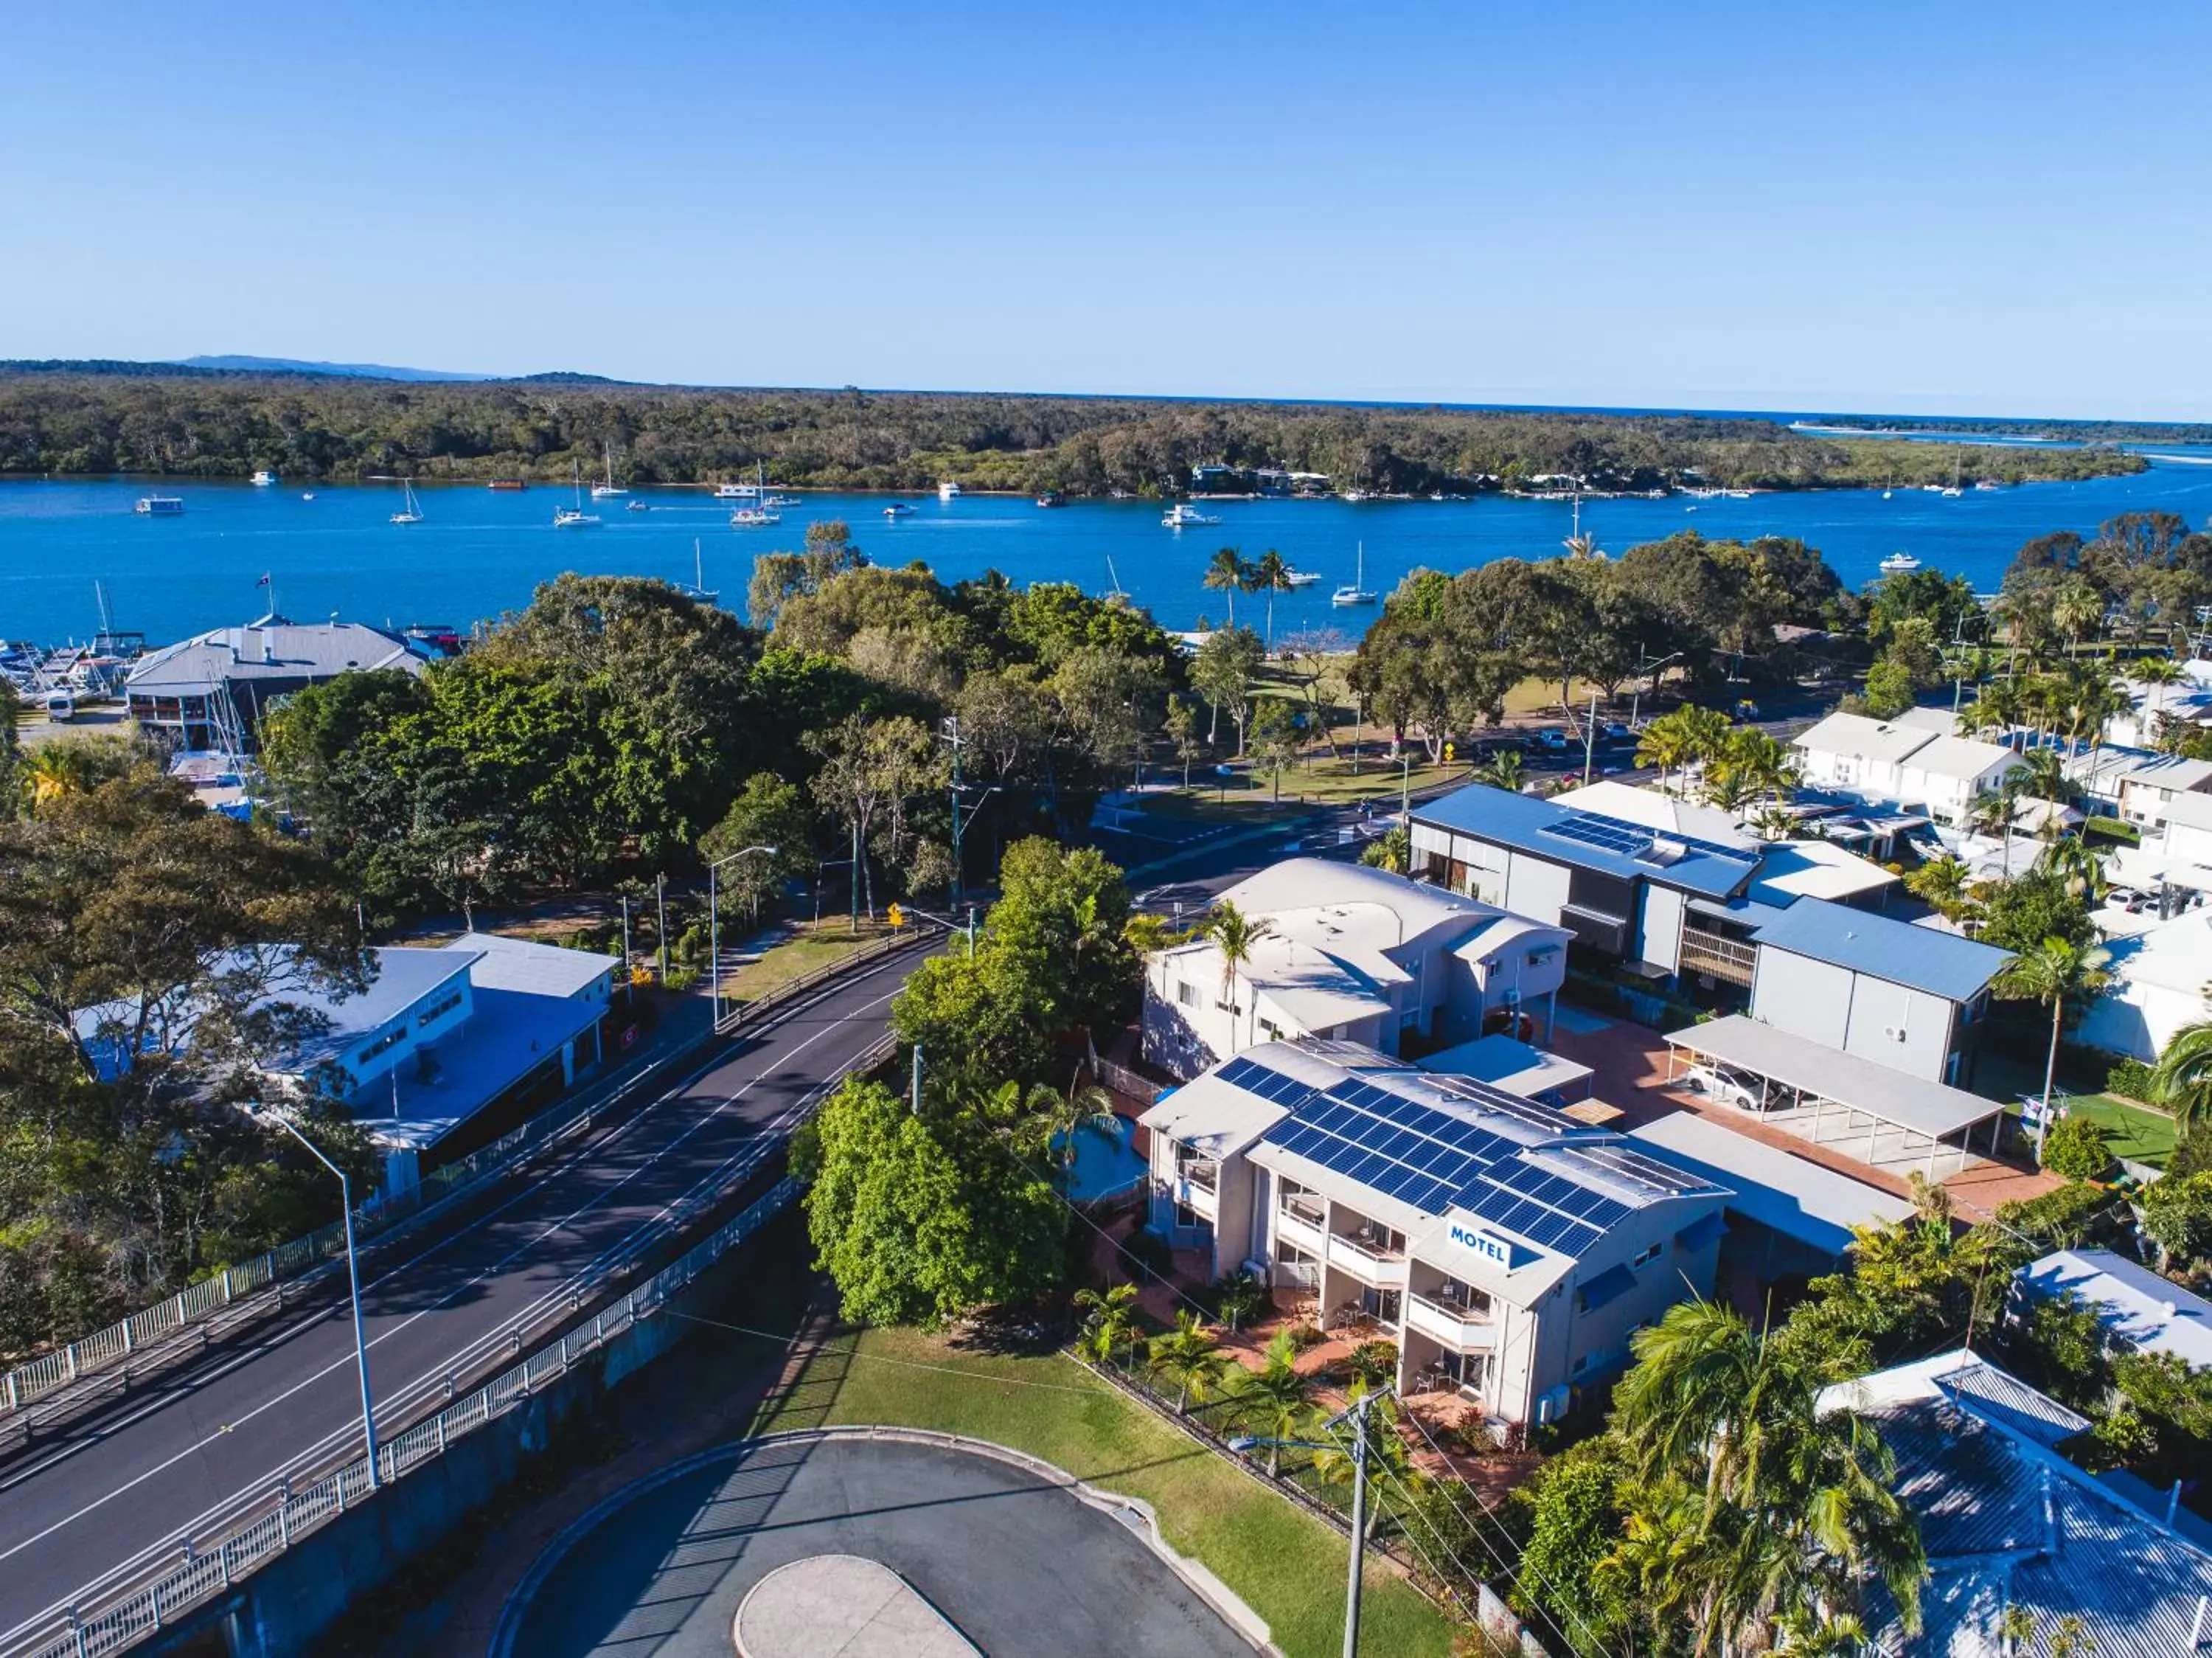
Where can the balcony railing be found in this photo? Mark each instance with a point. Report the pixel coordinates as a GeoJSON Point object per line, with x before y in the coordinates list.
{"type": "Point", "coordinates": [1730, 959]}
{"type": "Point", "coordinates": [1307, 1211]}
{"type": "Point", "coordinates": [1367, 1248]}
{"type": "Point", "coordinates": [1203, 1172]}
{"type": "Point", "coordinates": [1458, 1312]}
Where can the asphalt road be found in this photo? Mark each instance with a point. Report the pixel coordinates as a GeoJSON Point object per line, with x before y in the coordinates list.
{"type": "Point", "coordinates": [131, 1482]}
{"type": "Point", "coordinates": [1016, 1563]}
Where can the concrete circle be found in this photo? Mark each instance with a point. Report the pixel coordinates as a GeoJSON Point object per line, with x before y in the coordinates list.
{"type": "Point", "coordinates": [839, 1606]}
{"type": "Point", "coordinates": [1008, 1556]}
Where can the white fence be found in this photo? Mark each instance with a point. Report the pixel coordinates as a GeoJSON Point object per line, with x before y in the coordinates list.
{"type": "Point", "coordinates": [311, 1498]}
{"type": "Point", "coordinates": [103, 1349]}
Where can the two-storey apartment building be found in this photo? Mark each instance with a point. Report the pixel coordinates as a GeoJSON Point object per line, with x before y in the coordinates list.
{"type": "Point", "coordinates": [1508, 1249]}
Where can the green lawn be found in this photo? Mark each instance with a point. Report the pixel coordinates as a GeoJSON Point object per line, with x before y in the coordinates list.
{"type": "Point", "coordinates": [2139, 1136]}
{"type": "Point", "coordinates": [1288, 1567]}
{"type": "Point", "coordinates": [815, 945]}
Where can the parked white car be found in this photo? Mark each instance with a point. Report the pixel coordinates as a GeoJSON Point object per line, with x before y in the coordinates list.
{"type": "Point", "coordinates": [1716, 1082]}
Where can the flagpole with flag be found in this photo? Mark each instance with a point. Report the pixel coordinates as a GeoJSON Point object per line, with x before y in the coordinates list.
{"type": "Point", "coordinates": [269, 580]}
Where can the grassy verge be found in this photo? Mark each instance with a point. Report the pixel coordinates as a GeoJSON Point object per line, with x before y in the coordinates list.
{"type": "Point", "coordinates": [813, 946]}
{"type": "Point", "coordinates": [1287, 1565]}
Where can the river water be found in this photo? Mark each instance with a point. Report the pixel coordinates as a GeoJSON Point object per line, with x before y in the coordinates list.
{"type": "Point", "coordinates": [480, 552]}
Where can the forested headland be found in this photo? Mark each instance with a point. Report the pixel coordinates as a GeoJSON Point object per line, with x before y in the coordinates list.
{"type": "Point", "coordinates": [220, 426]}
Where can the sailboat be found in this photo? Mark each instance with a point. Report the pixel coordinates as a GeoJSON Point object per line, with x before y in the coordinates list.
{"type": "Point", "coordinates": [699, 589]}
{"type": "Point", "coordinates": [606, 490]}
{"type": "Point", "coordinates": [576, 518]}
{"type": "Point", "coordinates": [1958, 465]}
{"type": "Point", "coordinates": [412, 512]}
{"type": "Point", "coordinates": [1358, 593]}
{"type": "Point", "coordinates": [1117, 593]}
{"type": "Point", "coordinates": [762, 508]}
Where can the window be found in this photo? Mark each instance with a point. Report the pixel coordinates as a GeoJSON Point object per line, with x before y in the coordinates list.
{"type": "Point", "coordinates": [444, 1005]}
{"type": "Point", "coordinates": [1187, 995]}
{"type": "Point", "coordinates": [1652, 1253]}
{"type": "Point", "coordinates": [384, 1044]}
{"type": "Point", "coordinates": [1270, 1032]}
{"type": "Point", "coordinates": [1582, 1363]}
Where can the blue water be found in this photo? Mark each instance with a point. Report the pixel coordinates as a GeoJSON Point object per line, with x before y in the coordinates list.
{"type": "Point", "coordinates": [480, 553]}
{"type": "Point", "coordinates": [1106, 1160]}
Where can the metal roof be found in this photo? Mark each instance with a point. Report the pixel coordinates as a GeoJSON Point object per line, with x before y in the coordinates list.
{"type": "Point", "coordinates": [1919, 957]}
{"type": "Point", "coordinates": [271, 648]}
{"type": "Point", "coordinates": [1592, 840]}
{"type": "Point", "coordinates": [1779, 1189]}
{"type": "Point", "coordinates": [1884, 743]}
{"type": "Point", "coordinates": [519, 964]}
{"type": "Point", "coordinates": [2150, 1314]}
{"type": "Point", "coordinates": [1901, 1100]}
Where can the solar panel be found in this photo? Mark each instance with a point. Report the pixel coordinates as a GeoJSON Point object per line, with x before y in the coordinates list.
{"type": "Point", "coordinates": [1352, 1056]}
{"type": "Point", "coordinates": [1547, 1229]}
{"type": "Point", "coordinates": [1579, 1240]}
{"type": "Point", "coordinates": [1604, 833]}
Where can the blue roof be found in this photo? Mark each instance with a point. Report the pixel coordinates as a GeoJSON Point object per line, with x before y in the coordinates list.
{"type": "Point", "coordinates": [1920, 958]}
{"type": "Point", "coordinates": [1591, 840]}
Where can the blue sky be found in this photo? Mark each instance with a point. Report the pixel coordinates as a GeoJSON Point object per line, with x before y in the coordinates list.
{"type": "Point", "coordinates": [1972, 208]}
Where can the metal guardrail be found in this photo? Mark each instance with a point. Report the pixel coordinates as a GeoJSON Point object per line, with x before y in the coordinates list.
{"type": "Point", "coordinates": [104, 1349]}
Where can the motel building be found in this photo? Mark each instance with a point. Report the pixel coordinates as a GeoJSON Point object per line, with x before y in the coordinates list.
{"type": "Point", "coordinates": [1509, 1250]}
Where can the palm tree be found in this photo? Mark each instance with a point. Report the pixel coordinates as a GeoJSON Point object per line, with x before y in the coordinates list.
{"type": "Point", "coordinates": [1502, 771]}
{"type": "Point", "coordinates": [2182, 1081]}
{"type": "Point", "coordinates": [1233, 933]}
{"type": "Point", "coordinates": [1271, 1401]}
{"type": "Point", "coordinates": [1064, 1118]}
{"type": "Point", "coordinates": [1109, 1323]}
{"type": "Point", "coordinates": [2158, 672]}
{"type": "Point", "coordinates": [1763, 1507]}
{"type": "Point", "coordinates": [1188, 1357]}
{"type": "Point", "coordinates": [2077, 862]}
{"type": "Point", "coordinates": [2056, 971]}
{"type": "Point", "coordinates": [2042, 774]}
{"type": "Point", "coordinates": [52, 771]}
{"type": "Point", "coordinates": [2077, 605]}
{"type": "Point", "coordinates": [1271, 575]}
{"type": "Point", "coordinates": [1677, 739]}
{"type": "Point", "coordinates": [1229, 574]}
{"type": "Point", "coordinates": [1941, 883]}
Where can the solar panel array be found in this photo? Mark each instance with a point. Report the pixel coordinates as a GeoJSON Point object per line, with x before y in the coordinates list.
{"type": "Point", "coordinates": [1633, 840]}
{"type": "Point", "coordinates": [1351, 1056]}
{"type": "Point", "coordinates": [1492, 1098]}
{"type": "Point", "coordinates": [1435, 1160]}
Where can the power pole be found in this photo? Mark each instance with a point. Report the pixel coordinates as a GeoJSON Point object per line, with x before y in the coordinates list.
{"type": "Point", "coordinates": [1359, 1525]}
{"type": "Point", "coordinates": [952, 736]}
{"type": "Point", "coordinates": [854, 882]}
{"type": "Point", "coordinates": [661, 900]}
{"type": "Point", "coordinates": [915, 1094]}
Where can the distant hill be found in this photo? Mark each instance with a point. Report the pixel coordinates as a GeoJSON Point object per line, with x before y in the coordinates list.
{"type": "Point", "coordinates": [285, 365]}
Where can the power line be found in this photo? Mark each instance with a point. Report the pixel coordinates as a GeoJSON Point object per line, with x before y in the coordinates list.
{"type": "Point", "coordinates": [790, 1338]}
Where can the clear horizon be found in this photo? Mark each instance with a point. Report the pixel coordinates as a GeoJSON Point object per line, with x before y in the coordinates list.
{"type": "Point", "coordinates": [1985, 213]}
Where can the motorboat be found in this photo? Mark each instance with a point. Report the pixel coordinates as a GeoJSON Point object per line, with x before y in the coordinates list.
{"type": "Point", "coordinates": [508, 485]}
{"type": "Point", "coordinates": [1899, 563]}
{"type": "Point", "coordinates": [159, 506]}
{"type": "Point", "coordinates": [1300, 578]}
{"type": "Point", "coordinates": [736, 491]}
{"type": "Point", "coordinates": [948, 491]}
{"type": "Point", "coordinates": [263, 479]}
{"type": "Point", "coordinates": [1183, 516]}
{"type": "Point", "coordinates": [607, 489]}
{"type": "Point", "coordinates": [1352, 495]}
{"type": "Point", "coordinates": [898, 509]}
{"type": "Point", "coordinates": [639, 506]}
{"type": "Point", "coordinates": [412, 512]}
{"type": "Point", "coordinates": [1052, 498]}
{"type": "Point", "coordinates": [1358, 592]}
{"type": "Point", "coordinates": [779, 501]}
{"type": "Point", "coordinates": [748, 518]}
{"type": "Point", "coordinates": [306, 495]}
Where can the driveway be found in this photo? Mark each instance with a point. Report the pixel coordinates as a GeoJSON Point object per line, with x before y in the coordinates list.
{"type": "Point", "coordinates": [1018, 1565]}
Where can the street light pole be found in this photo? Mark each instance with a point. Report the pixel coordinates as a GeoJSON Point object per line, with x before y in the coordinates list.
{"type": "Point", "coordinates": [714, 922]}
{"type": "Point", "coordinates": [353, 1280]}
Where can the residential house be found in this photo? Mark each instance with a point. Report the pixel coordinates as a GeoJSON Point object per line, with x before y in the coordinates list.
{"type": "Point", "coordinates": [1506, 1248]}
{"type": "Point", "coordinates": [2138, 786]}
{"type": "Point", "coordinates": [1907, 760]}
{"type": "Point", "coordinates": [1353, 953]}
{"type": "Point", "coordinates": [435, 1037]}
{"type": "Point", "coordinates": [2141, 1312]}
{"type": "Point", "coordinates": [2014, 1532]}
{"type": "Point", "coordinates": [208, 692]}
{"type": "Point", "coordinates": [2156, 980]}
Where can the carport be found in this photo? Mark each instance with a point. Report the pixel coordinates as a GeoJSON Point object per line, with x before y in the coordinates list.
{"type": "Point", "coordinates": [1803, 1087]}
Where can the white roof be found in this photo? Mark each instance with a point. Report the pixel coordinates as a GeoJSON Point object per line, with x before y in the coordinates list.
{"type": "Point", "coordinates": [1901, 1100]}
{"type": "Point", "coordinates": [1880, 740]}
{"type": "Point", "coordinates": [1941, 721]}
{"type": "Point", "coordinates": [2136, 1305]}
{"type": "Point", "coordinates": [1211, 1116]}
{"type": "Point", "coordinates": [2174, 955]}
{"type": "Point", "coordinates": [1357, 897]}
{"type": "Point", "coordinates": [2191, 811]}
{"type": "Point", "coordinates": [1776, 1188]}
{"type": "Point", "coordinates": [1509, 1063]}
{"type": "Point", "coordinates": [1962, 758]}
{"type": "Point", "coordinates": [1653, 810]}
{"type": "Point", "coordinates": [1505, 930]}
{"type": "Point", "coordinates": [518, 964]}
{"type": "Point", "coordinates": [1815, 869]}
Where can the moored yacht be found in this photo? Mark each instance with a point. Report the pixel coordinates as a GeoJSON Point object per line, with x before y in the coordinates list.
{"type": "Point", "coordinates": [898, 509]}
{"type": "Point", "coordinates": [747, 518]}
{"type": "Point", "coordinates": [606, 488]}
{"type": "Point", "coordinates": [576, 518]}
{"type": "Point", "coordinates": [411, 512]}
{"type": "Point", "coordinates": [263, 479]}
{"type": "Point", "coordinates": [1356, 593]}
{"type": "Point", "coordinates": [1899, 563]}
{"type": "Point", "coordinates": [159, 506]}
{"type": "Point", "coordinates": [1300, 578]}
{"type": "Point", "coordinates": [948, 491]}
